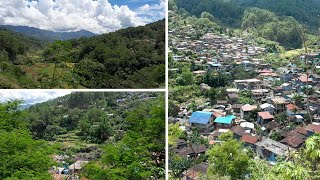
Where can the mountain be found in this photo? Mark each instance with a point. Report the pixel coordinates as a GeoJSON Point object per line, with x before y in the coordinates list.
{"type": "Point", "coordinates": [280, 21]}
{"type": "Point", "coordinates": [48, 35]}
{"type": "Point", "coordinates": [128, 58]}
{"type": "Point", "coordinates": [304, 11]}
{"type": "Point", "coordinates": [25, 106]}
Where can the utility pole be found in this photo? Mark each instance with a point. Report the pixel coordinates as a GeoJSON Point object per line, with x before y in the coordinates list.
{"type": "Point", "coordinates": [54, 71]}
{"type": "Point", "coordinates": [307, 54]}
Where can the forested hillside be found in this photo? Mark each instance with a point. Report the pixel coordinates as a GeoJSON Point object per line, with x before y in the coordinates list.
{"type": "Point", "coordinates": [230, 12]}
{"type": "Point", "coordinates": [16, 50]}
{"type": "Point", "coordinates": [122, 131]}
{"type": "Point", "coordinates": [132, 58]}
{"type": "Point", "coordinates": [127, 58]}
{"type": "Point", "coordinates": [281, 21]}
{"type": "Point", "coordinates": [14, 44]}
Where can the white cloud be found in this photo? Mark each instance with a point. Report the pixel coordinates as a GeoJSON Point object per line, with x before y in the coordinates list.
{"type": "Point", "coordinates": [152, 12]}
{"type": "Point", "coordinates": [145, 7]}
{"type": "Point", "coordinates": [71, 15]}
{"type": "Point", "coordinates": [31, 96]}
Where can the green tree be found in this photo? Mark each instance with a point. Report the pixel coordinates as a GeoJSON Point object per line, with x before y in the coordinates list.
{"type": "Point", "coordinates": [174, 133]}
{"type": "Point", "coordinates": [240, 73]}
{"type": "Point", "coordinates": [297, 99]}
{"type": "Point", "coordinates": [207, 15]}
{"type": "Point", "coordinates": [216, 79]}
{"type": "Point", "coordinates": [312, 151]}
{"type": "Point", "coordinates": [22, 157]}
{"type": "Point", "coordinates": [102, 131]}
{"type": "Point", "coordinates": [212, 95]}
{"type": "Point", "coordinates": [178, 164]}
{"type": "Point", "coordinates": [281, 118]}
{"type": "Point", "coordinates": [228, 159]}
{"type": "Point", "coordinates": [259, 169]}
{"type": "Point", "coordinates": [276, 136]}
{"type": "Point", "coordinates": [290, 170]}
{"type": "Point", "coordinates": [245, 97]}
{"type": "Point", "coordinates": [140, 153]}
{"type": "Point", "coordinates": [186, 78]}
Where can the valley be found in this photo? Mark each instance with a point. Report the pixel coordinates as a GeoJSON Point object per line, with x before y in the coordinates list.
{"type": "Point", "coordinates": [128, 58]}
{"type": "Point", "coordinates": [95, 135]}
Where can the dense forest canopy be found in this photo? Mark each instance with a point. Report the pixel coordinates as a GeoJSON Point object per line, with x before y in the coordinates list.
{"type": "Point", "coordinates": [230, 12]}
{"type": "Point", "coordinates": [127, 58]}
{"type": "Point", "coordinates": [124, 55]}
{"type": "Point", "coordinates": [285, 30]}
{"type": "Point", "coordinates": [14, 44]}
{"type": "Point", "coordinates": [94, 114]}
{"type": "Point", "coordinates": [122, 131]}
{"type": "Point", "coordinates": [140, 154]}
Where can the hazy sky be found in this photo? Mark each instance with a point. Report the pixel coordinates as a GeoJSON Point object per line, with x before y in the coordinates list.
{"type": "Point", "coordinates": [31, 96]}
{"type": "Point", "coordinates": [98, 16]}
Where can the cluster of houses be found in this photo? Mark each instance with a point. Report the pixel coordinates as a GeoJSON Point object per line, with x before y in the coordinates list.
{"type": "Point", "coordinates": [72, 171]}
{"type": "Point", "coordinates": [229, 48]}
{"type": "Point", "coordinates": [254, 124]}
{"type": "Point", "coordinates": [216, 51]}
{"type": "Point", "coordinates": [296, 96]}
{"type": "Point", "coordinates": [66, 171]}
{"type": "Point", "coordinates": [254, 133]}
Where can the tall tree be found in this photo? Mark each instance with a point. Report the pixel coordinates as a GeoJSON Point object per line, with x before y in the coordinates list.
{"type": "Point", "coordinates": [228, 159]}
{"type": "Point", "coordinates": [212, 95]}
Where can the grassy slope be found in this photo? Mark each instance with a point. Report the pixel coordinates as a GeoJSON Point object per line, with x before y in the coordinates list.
{"type": "Point", "coordinates": [73, 141]}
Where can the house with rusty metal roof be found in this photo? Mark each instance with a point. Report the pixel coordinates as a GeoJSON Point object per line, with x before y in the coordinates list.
{"type": "Point", "coordinates": [196, 171]}
{"type": "Point", "coordinates": [249, 140]}
{"type": "Point", "coordinates": [264, 117]}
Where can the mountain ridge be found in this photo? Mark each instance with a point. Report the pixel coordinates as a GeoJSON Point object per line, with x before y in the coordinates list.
{"type": "Point", "coordinates": [47, 34]}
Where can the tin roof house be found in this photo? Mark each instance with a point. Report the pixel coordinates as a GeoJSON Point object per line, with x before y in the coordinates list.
{"type": "Point", "coordinates": [270, 150]}
{"type": "Point", "coordinates": [225, 122]}
{"type": "Point", "coordinates": [202, 120]}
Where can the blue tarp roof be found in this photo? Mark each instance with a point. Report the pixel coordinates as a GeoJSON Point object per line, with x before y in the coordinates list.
{"type": "Point", "coordinates": [200, 117]}
{"type": "Point", "coordinates": [225, 120]}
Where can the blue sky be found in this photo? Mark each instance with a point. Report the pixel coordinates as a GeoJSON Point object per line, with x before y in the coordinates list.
{"type": "Point", "coordinates": [134, 4]}
{"type": "Point", "coordinates": [98, 16]}
{"type": "Point", "coordinates": [31, 96]}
